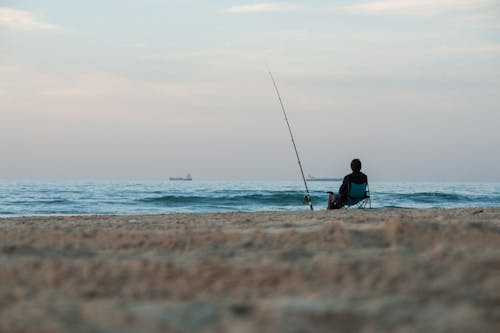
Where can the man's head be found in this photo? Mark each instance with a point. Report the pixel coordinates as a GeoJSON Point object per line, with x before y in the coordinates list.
{"type": "Point", "coordinates": [356, 165]}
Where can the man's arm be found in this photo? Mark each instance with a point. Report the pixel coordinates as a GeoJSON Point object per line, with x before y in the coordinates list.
{"type": "Point", "coordinates": [345, 185]}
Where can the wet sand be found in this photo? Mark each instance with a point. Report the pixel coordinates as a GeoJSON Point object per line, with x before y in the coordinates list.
{"type": "Point", "coordinates": [391, 270]}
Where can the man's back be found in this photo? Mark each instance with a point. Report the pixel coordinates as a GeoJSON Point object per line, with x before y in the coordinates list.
{"type": "Point", "coordinates": [356, 177]}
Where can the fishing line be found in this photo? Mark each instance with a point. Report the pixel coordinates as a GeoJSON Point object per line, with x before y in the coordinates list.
{"type": "Point", "coordinates": [308, 196]}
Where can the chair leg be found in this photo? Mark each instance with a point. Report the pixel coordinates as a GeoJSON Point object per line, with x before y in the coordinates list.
{"type": "Point", "coordinates": [362, 204]}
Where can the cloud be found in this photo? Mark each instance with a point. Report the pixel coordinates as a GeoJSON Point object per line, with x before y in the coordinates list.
{"type": "Point", "coordinates": [481, 50]}
{"type": "Point", "coordinates": [261, 8]}
{"type": "Point", "coordinates": [16, 19]}
{"type": "Point", "coordinates": [134, 45]}
{"type": "Point", "coordinates": [416, 7]}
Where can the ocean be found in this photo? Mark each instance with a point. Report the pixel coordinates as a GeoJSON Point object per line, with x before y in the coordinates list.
{"type": "Point", "coordinates": [25, 198]}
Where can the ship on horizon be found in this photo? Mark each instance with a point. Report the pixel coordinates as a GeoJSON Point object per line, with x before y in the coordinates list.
{"type": "Point", "coordinates": [322, 179]}
{"type": "Point", "coordinates": [187, 178]}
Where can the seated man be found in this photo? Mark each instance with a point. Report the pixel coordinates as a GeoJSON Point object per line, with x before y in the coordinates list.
{"type": "Point", "coordinates": [336, 201]}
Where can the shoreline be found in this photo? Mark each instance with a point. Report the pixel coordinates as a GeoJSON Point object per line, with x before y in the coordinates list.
{"type": "Point", "coordinates": [248, 212]}
{"type": "Point", "coordinates": [394, 269]}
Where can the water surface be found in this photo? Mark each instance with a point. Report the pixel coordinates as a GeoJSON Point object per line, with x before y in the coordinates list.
{"type": "Point", "coordinates": [155, 197]}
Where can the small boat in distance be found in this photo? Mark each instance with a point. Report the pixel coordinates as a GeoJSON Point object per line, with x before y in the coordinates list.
{"type": "Point", "coordinates": [322, 179]}
{"type": "Point", "coordinates": [188, 178]}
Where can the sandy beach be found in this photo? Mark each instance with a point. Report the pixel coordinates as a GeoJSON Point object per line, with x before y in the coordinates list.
{"type": "Point", "coordinates": [391, 270]}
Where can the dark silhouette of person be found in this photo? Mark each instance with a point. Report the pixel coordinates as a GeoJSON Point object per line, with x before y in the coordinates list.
{"type": "Point", "coordinates": [336, 201]}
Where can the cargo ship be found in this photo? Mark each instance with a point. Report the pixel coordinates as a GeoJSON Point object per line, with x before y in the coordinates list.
{"type": "Point", "coordinates": [322, 179]}
{"type": "Point", "coordinates": [187, 178]}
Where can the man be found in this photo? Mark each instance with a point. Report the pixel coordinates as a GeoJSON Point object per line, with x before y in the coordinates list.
{"type": "Point", "coordinates": [336, 201]}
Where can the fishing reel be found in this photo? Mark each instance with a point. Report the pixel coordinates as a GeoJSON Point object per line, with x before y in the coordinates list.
{"type": "Point", "coordinates": [308, 200]}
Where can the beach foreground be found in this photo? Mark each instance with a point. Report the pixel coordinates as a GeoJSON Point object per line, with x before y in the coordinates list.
{"type": "Point", "coordinates": [347, 271]}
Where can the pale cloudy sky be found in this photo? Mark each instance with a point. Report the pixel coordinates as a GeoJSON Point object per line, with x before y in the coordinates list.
{"type": "Point", "coordinates": [147, 89]}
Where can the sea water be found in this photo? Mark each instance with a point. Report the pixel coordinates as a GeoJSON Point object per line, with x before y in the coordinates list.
{"type": "Point", "coordinates": [22, 198]}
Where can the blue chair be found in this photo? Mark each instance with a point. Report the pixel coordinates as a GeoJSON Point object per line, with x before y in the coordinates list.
{"type": "Point", "coordinates": [359, 195]}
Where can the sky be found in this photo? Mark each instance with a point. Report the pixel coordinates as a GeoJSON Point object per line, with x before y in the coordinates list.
{"type": "Point", "coordinates": [148, 89]}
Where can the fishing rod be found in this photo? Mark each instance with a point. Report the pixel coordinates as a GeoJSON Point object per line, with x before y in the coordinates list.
{"type": "Point", "coordinates": [308, 196]}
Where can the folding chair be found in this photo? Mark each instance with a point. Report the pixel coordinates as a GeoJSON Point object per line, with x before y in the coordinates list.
{"type": "Point", "coordinates": [359, 195]}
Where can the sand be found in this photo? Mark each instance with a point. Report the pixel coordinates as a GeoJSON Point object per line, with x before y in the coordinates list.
{"type": "Point", "coordinates": [391, 270]}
